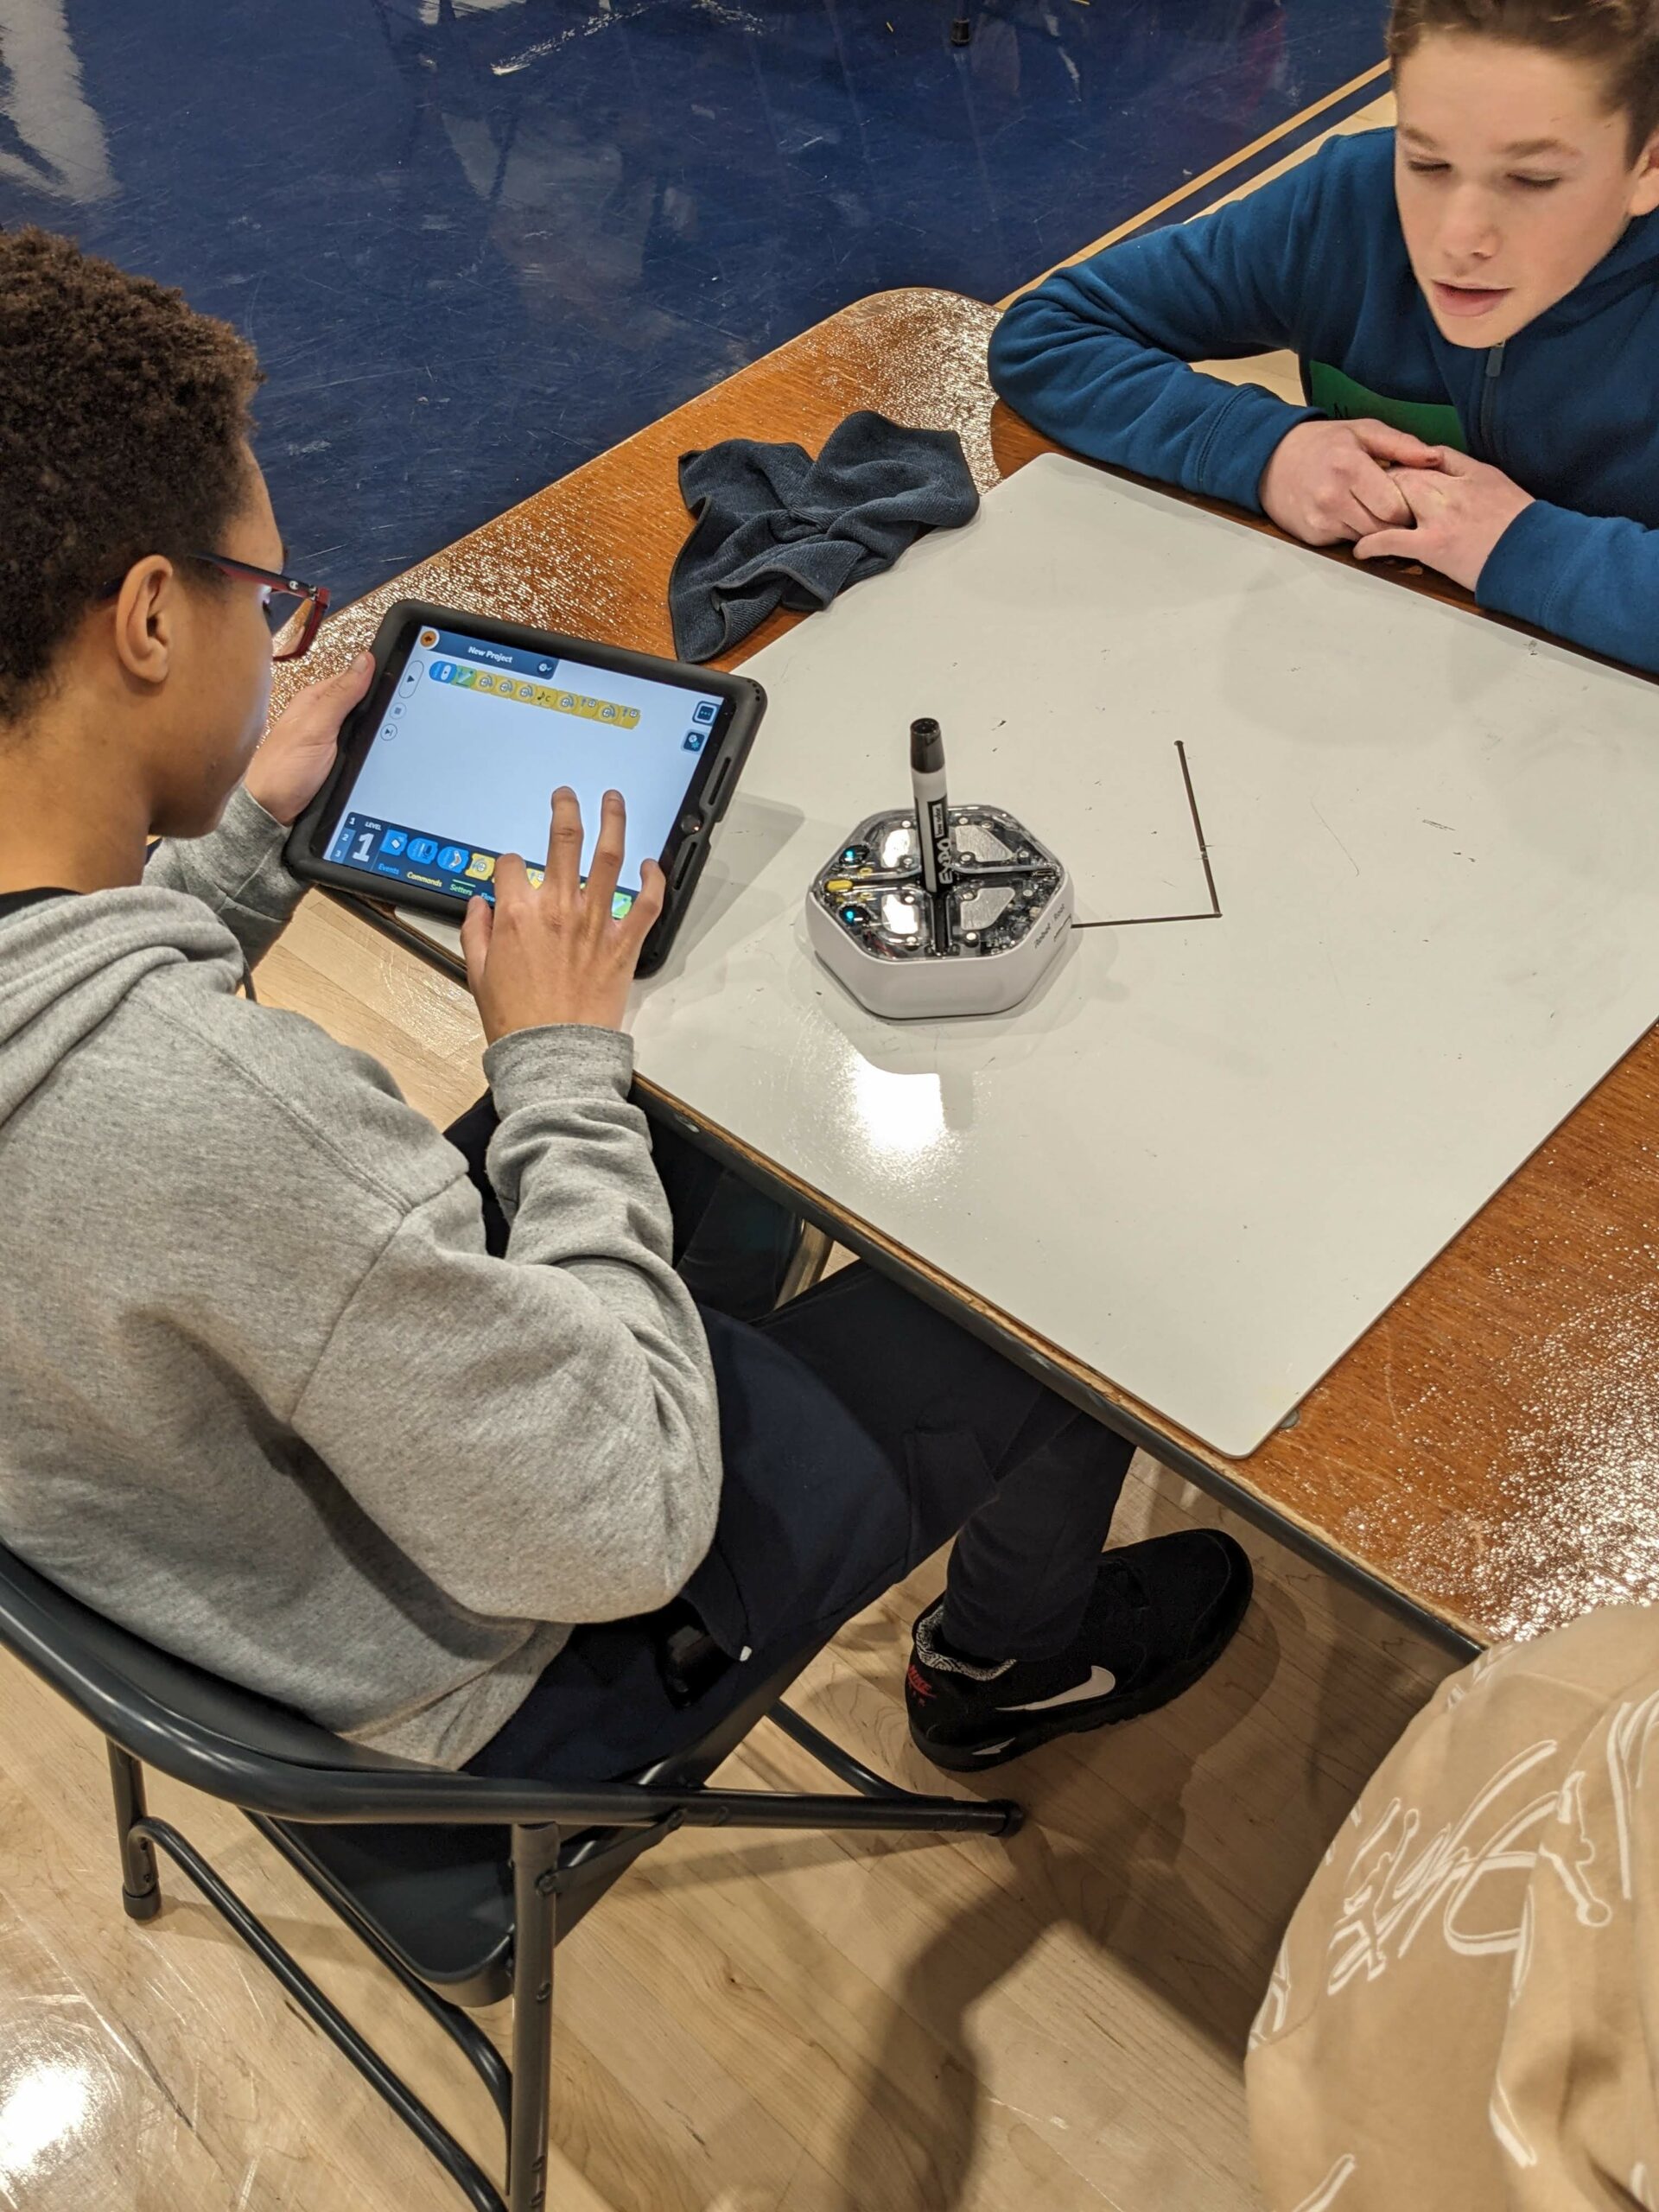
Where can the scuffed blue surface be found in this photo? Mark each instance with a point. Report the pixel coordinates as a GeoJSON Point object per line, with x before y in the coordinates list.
{"type": "Point", "coordinates": [478, 241]}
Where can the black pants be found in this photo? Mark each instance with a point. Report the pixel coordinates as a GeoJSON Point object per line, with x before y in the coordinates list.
{"type": "Point", "coordinates": [859, 1430]}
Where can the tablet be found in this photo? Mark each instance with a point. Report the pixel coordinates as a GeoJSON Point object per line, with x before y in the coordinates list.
{"type": "Point", "coordinates": [468, 729]}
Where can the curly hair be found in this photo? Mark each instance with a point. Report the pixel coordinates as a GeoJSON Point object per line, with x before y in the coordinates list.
{"type": "Point", "coordinates": [122, 418]}
{"type": "Point", "coordinates": [1619, 36]}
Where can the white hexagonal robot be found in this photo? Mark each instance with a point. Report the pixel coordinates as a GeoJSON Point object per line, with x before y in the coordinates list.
{"type": "Point", "coordinates": [939, 909]}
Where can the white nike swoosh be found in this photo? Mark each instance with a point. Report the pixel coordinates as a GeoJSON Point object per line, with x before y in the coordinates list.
{"type": "Point", "coordinates": [1100, 1683]}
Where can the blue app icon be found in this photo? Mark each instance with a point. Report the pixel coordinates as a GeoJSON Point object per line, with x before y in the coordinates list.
{"type": "Point", "coordinates": [444, 672]}
{"type": "Point", "coordinates": [394, 841]}
{"type": "Point", "coordinates": [422, 849]}
{"type": "Point", "coordinates": [705, 710]}
{"type": "Point", "coordinates": [695, 740]}
{"type": "Point", "coordinates": [454, 858]}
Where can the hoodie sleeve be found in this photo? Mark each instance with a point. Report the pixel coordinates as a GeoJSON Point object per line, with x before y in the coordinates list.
{"type": "Point", "coordinates": [540, 1434]}
{"type": "Point", "coordinates": [237, 870]}
{"type": "Point", "coordinates": [1098, 357]}
{"type": "Point", "coordinates": [1591, 579]}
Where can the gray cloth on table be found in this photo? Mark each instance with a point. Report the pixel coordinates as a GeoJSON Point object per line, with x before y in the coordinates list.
{"type": "Point", "coordinates": [776, 528]}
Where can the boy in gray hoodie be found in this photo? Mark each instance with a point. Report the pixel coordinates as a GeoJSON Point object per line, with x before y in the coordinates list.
{"type": "Point", "coordinates": [422, 1436]}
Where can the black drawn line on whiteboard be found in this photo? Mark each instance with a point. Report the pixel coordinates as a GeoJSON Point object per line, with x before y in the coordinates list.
{"type": "Point", "coordinates": [1142, 921]}
{"type": "Point", "coordinates": [1139, 921]}
{"type": "Point", "coordinates": [1197, 829]}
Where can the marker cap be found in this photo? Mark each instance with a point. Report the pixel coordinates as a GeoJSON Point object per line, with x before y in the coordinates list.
{"type": "Point", "coordinates": [927, 747]}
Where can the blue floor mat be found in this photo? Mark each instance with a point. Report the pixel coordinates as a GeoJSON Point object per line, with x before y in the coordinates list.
{"type": "Point", "coordinates": [478, 241]}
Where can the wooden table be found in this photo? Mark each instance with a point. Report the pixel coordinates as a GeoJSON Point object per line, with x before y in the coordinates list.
{"type": "Point", "coordinates": [1487, 1456]}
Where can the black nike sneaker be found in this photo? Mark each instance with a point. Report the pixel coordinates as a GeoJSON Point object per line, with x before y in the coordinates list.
{"type": "Point", "coordinates": [1162, 1614]}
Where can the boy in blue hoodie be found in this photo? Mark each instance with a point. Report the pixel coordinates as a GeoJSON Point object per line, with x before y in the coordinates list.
{"type": "Point", "coordinates": [1474, 297]}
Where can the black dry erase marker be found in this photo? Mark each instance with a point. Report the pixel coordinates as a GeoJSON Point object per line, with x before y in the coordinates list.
{"type": "Point", "coordinates": [927, 780]}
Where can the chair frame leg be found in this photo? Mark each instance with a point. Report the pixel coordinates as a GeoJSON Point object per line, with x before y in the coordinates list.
{"type": "Point", "coordinates": [812, 1258]}
{"type": "Point", "coordinates": [462, 2030]}
{"type": "Point", "coordinates": [1000, 1816]}
{"type": "Point", "coordinates": [141, 1891]}
{"type": "Point", "coordinates": [463, 2169]}
{"type": "Point", "coordinates": [535, 1885]}
{"type": "Point", "coordinates": [523, 2097]}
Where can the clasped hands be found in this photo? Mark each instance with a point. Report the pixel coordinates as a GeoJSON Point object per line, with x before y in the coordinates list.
{"type": "Point", "coordinates": [1388, 494]}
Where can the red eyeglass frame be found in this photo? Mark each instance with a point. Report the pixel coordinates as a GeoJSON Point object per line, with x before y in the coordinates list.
{"type": "Point", "coordinates": [316, 594]}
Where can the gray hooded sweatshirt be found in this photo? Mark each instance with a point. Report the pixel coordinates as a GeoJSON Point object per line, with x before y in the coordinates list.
{"type": "Point", "coordinates": [265, 1398]}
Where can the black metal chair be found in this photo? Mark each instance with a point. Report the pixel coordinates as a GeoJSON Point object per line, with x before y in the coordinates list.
{"type": "Point", "coordinates": [462, 1886]}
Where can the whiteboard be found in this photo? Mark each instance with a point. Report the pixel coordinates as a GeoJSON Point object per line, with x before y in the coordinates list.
{"type": "Point", "coordinates": [1210, 1151]}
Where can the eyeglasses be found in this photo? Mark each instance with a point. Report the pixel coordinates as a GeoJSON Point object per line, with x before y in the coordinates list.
{"type": "Point", "coordinates": [294, 611]}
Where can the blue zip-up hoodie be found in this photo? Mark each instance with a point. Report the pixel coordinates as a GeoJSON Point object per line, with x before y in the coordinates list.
{"type": "Point", "coordinates": [1096, 358]}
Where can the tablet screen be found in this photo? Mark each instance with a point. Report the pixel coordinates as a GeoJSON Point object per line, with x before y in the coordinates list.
{"type": "Point", "coordinates": [472, 742]}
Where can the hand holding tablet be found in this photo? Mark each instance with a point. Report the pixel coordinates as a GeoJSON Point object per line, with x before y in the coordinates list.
{"type": "Point", "coordinates": [555, 950]}
{"type": "Point", "coordinates": [298, 751]}
{"type": "Point", "coordinates": [468, 723]}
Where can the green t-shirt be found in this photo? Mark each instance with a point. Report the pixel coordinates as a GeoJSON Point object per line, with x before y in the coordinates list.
{"type": "Point", "coordinates": [1436, 423]}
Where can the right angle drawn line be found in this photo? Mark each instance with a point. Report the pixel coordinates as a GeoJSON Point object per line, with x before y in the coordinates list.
{"type": "Point", "coordinates": [1138, 921]}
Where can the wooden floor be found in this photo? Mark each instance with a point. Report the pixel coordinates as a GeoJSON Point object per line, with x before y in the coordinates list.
{"type": "Point", "coordinates": [764, 2024]}
{"type": "Point", "coordinates": [779, 2025]}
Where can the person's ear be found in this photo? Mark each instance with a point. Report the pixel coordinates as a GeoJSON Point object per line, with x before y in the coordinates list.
{"type": "Point", "coordinates": [1644, 188]}
{"type": "Point", "coordinates": [145, 612]}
